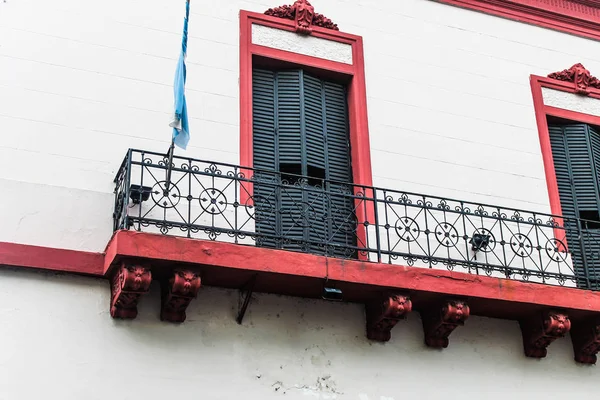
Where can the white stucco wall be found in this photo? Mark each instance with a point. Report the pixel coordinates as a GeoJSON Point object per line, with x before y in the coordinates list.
{"type": "Point", "coordinates": [450, 113]}
{"type": "Point", "coordinates": [571, 101]}
{"type": "Point", "coordinates": [450, 108]}
{"type": "Point", "coordinates": [287, 348]}
{"type": "Point", "coordinates": [301, 44]}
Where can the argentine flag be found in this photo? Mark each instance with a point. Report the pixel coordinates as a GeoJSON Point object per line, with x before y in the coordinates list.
{"type": "Point", "coordinates": [181, 131]}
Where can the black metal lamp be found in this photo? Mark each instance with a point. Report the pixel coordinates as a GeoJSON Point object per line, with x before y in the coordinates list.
{"type": "Point", "coordinates": [138, 193]}
{"type": "Point", "coordinates": [331, 293]}
{"type": "Point", "coordinates": [480, 242]}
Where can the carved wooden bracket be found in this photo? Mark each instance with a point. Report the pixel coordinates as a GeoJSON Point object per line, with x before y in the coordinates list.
{"type": "Point", "coordinates": [586, 341]}
{"type": "Point", "coordinates": [440, 322]}
{"type": "Point", "coordinates": [128, 284]}
{"type": "Point", "coordinates": [178, 293]}
{"type": "Point", "coordinates": [539, 331]}
{"type": "Point", "coordinates": [384, 314]}
{"type": "Point", "coordinates": [580, 76]}
{"type": "Point", "coordinates": [303, 13]}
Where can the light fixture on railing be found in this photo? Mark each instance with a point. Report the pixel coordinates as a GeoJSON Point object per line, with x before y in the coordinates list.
{"type": "Point", "coordinates": [138, 193]}
{"type": "Point", "coordinates": [479, 241]}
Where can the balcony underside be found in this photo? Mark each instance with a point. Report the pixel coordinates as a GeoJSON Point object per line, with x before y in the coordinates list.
{"type": "Point", "coordinates": [443, 298]}
{"type": "Point", "coordinates": [300, 274]}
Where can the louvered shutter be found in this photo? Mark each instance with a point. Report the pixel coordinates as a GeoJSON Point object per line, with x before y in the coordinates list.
{"type": "Point", "coordinates": [581, 163]}
{"type": "Point", "coordinates": [277, 141]}
{"type": "Point", "coordinates": [591, 234]}
{"type": "Point", "coordinates": [305, 123]}
{"type": "Point", "coordinates": [264, 156]}
{"type": "Point", "coordinates": [342, 222]}
{"type": "Point", "coordinates": [290, 152]}
{"type": "Point", "coordinates": [576, 154]}
{"type": "Point", "coordinates": [563, 171]}
{"type": "Point", "coordinates": [316, 164]}
{"type": "Point", "coordinates": [332, 231]}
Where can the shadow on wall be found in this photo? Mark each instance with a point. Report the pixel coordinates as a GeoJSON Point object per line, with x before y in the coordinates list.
{"type": "Point", "coordinates": [291, 346]}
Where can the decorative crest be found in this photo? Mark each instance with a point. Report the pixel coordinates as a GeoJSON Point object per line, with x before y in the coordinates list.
{"type": "Point", "coordinates": [540, 331]}
{"type": "Point", "coordinates": [128, 284]}
{"type": "Point", "coordinates": [383, 314]}
{"type": "Point", "coordinates": [440, 322]}
{"type": "Point", "coordinates": [178, 292]}
{"type": "Point", "coordinates": [303, 13]}
{"type": "Point", "coordinates": [586, 341]}
{"type": "Point", "coordinates": [580, 76]}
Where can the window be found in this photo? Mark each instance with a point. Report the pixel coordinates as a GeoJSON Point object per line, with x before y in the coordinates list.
{"type": "Point", "coordinates": [339, 225]}
{"type": "Point", "coordinates": [353, 74]}
{"type": "Point", "coordinates": [301, 146]}
{"type": "Point", "coordinates": [576, 155]}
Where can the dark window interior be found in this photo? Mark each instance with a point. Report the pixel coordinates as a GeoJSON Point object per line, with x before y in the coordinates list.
{"type": "Point", "coordinates": [591, 219]}
{"type": "Point", "coordinates": [291, 174]}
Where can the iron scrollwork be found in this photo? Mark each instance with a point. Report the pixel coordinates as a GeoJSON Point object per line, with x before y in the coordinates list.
{"type": "Point", "coordinates": [217, 201]}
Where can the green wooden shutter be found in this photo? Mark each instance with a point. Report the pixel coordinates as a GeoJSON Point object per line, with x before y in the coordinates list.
{"type": "Point", "coordinates": [301, 124]}
{"type": "Point", "coordinates": [328, 157]}
{"type": "Point", "coordinates": [263, 119]}
{"type": "Point", "coordinates": [316, 200]}
{"type": "Point", "coordinates": [314, 123]}
{"type": "Point", "coordinates": [342, 223]}
{"type": "Point", "coordinates": [581, 157]}
{"type": "Point", "coordinates": [562, 169]}
{"type": "Point", "coordinates": [288, 114]}
{"type": "Point", "coordinates": [576, 154]}
{"type": "Point", "coordinates": [277, 142]}
{"type": "Point", "coordinates": [591, 233]}
{"type": "Point", "coordinates": [336, 127]}
{"type": "Point", "coordinates": [290, 150]}
{"type": "Point", "coordinates": [264, 156]}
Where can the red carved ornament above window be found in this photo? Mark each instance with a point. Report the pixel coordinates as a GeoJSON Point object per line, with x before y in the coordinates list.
{"type": "Point", "coordinates": [303, 13]}
{"type": "Point", "coordinates": [580, 76]}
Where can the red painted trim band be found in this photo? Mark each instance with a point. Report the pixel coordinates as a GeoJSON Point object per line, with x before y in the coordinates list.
{"type": "Point", "coordinates": [261, 260]}
{"type": "Point", "coordinates": [168, 250]}
{"type": "Point", "coordinates": [574, 17]}
{"type": "Point", "coordinates": [572, 115]}
{"type": "Point", "coordinates": [46, 258]}
{"type": "Point", "coordinates": [301, 59]}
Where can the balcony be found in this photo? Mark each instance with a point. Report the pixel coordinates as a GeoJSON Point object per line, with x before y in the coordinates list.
{"type": "Point", "coordinates": [239, 205]}
{"type": "Point", "coordinates": [236, 227]}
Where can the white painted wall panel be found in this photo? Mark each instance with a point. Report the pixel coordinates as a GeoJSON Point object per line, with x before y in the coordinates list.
{"type": "Point", "coordinates": [287, 347]}
{"type": "Point", "coordinates": [450, 108]}
{"type": "Point", "coordinates": [571, 101]}
{"type": "Point", "coordinates": [75, 216]}
{"type": "Point", "coordinates": [301, 44]}
{"type": "Point", "coordinates": [450, 114]}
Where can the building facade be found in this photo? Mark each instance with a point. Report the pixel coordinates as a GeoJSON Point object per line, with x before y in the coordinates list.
{"type": "Point", "coordinates": [379, 199]}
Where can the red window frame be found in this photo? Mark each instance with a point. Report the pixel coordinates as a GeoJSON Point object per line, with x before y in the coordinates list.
{"type": "Point", "coordinates": [357, 102]}
{"type": "Point", "coordinates": [542, 112]}
{"type": "Point", "coordinates": [357, 98]}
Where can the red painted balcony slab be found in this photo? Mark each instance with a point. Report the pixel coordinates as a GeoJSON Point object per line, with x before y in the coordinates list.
{"type": "Point", "coordinates": [298, 274]}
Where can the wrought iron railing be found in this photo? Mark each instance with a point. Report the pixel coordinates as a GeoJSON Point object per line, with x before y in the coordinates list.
{"type": "Point", "coordinates": [216, 201]}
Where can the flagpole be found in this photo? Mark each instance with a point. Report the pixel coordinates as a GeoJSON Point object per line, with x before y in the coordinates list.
{"type": "Point", "coordinates": [169, 165]}
{"type": "Point", "coordinates": [180, 121]}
